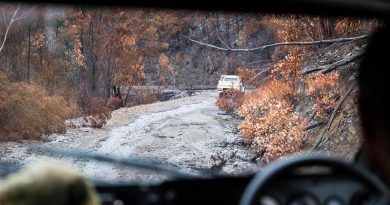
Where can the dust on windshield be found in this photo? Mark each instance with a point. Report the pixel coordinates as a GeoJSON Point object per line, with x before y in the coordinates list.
{"type": "Point", "coordinates": [142, 83]}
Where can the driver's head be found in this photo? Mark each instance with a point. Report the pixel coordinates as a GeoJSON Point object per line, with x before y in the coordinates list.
{"type": "Point", "coordinates": [374, 102]}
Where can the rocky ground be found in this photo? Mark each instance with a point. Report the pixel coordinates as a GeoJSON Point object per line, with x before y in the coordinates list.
{"type": "Point", "coordinates": [189, 133]}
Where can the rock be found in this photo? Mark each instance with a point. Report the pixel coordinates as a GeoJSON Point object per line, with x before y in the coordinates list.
{"type": "Point", "coordinates": [246, 156]}
{"type": "Point", "coordinates": [239, 141]}
{"type": "Point", "coordinates": [232, 154]}
{"type": "Point", "coordinates": [223, 144]}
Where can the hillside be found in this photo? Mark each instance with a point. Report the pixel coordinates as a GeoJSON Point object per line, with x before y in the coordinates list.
{"type": "Point", "coordinates": [317, 113]}
{"type": "Point", "coordinates": [343, 135]}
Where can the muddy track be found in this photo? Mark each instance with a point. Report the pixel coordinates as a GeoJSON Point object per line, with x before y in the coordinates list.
{"type": "Point", "coordinates": [189, 133]}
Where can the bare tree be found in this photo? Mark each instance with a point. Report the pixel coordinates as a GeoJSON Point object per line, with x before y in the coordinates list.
{"type": "Point", "coordinates": [16, 16]}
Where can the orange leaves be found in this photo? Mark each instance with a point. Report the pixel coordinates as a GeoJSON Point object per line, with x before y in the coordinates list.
{"type": "Point", "coordinates": [29, 113]}
{"type": "Point", "coordinates": [128, 40]}
{"type": "Point", "coordinates": [3, 76]}
{"type": "Point", "coordinates": [75, 56]}
{"type": "Point", "coordinates": [163, 60]}
{"type": "Point", "coordinates": [39, 40]}
{"type": "Point", "coordinates": [348, 26]}
{"type": "Point", "coordinates": [225, 104]}
{"type": "Point", "coordinates": [318, 82]}
{"type": "Point", "coordinates": [151, 34]}
{"type": "Point", "coordinates": [248, 76]}
{"type": "Point", "coordinates": [230, 100]}
{"type": "Point", "coordinates": [165, 69]}
{"type": "Point", "coordinates": [323, 88]}
{"type": "Point", "coordinates": [270, 122]}
{"type": "Point", "coordinates": [164, 46]}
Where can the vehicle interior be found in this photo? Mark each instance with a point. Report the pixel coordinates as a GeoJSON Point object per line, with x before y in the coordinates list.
{"type": "Point", "coordinates": [307, 178]}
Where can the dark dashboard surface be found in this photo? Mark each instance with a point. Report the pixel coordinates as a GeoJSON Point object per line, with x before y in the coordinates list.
{"type": "Point", "coordinates": [304, 189]}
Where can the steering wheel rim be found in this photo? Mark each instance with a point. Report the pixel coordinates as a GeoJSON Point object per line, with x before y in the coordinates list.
{"type": "Point", "coordinates": [259, 182]}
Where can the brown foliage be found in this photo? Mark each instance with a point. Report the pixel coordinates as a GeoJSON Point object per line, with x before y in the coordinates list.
{"type": "Point", "coordinates": [323, 89]}
{"type": "Point", "coordinates": [114, 103]}
{"type": "Point", "coordinates": [248, 76]}
{"type": "Point", "coordinates": [348, 26]}
{"type": "Point", "coordinates": [97, 113]}
{"type": "Point", "coordinates": [230, 100]}
{"type": "Point", "coordinates": [270, 122]}
{"type": "Point", "coordinates": [27, 112]}
{"type": "Point", "coordinates": [3, 76]}
{"type": "Point", "coordinates": [98, 120]}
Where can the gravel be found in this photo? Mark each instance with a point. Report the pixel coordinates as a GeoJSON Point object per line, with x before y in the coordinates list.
{"type": "Point", "coordinates": [188, 133]}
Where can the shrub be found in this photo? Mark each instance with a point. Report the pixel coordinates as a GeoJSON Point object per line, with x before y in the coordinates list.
{"type": "Point", "coordinates": [270, 123]}
{"type": "Point", "coordinates": [97, 113]}
{"type": "Point", "coordinates": [348, 26]}
{"type": "Point", "coordinates": [27, 112]}
{"type": "Point", "coordinates": [249, 76]}
{"type": "Point", "coordinates": [114, 103]}
{"type": "Point", "coordinates": [230, 100]}
{"type": "Point", "coordinates": [324, 90]}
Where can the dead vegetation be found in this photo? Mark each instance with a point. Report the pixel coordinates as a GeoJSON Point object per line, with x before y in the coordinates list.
{"type": "Point", "coordinates": [28, 112]}
{"type": "Point", "coordinates": [270, 122]}
{"type": "Point", "coordinates": [230, 100]}
{"type": "Point", "coordinates": [299, 108]}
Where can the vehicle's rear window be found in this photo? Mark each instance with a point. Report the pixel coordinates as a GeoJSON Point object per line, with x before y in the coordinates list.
{"type": "Point", "coordinates": [231, 79]}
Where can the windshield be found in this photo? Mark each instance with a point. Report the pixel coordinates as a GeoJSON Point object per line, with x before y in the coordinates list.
{"type": "Point", "coordinates": [141, 84]}
{"type": "Point", "coordinates": [230, 79]}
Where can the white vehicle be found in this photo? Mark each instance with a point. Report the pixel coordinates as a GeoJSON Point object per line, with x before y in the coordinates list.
{"type": "Point", "coordinates": [230, 82]}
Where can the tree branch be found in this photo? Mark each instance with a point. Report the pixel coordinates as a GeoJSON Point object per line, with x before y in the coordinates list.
{"type": "Point", "coordinates": [300, 43]}
{"type": "Point", "coordinates": [24, 15]}
{"type": "Point", "coordinates": [12, 20]}
{"type": "Point", "coordinates": [219, 38]}
{"type": "Point", "coordinates": [205, 44]}
{"type": "Point", "coordinates": [5, 19]}
{"type": "Point", "coordinates": [250, 80]}
{"type": "Point", "coordinates": [331, 119]}
{"type": "Point", "coordinates": [345, 61]}
{"type": "Point", "coordinates": [314, 125]}
{"type": "Point", "coordinates": [330, 67]}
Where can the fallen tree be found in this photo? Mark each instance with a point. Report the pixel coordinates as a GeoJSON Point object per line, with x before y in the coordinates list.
{"type": "Point", "coordinates": [324, 134]}
{"type": "Point", "coordinates": [328, 68]}
{"type": "Point", "coordinates": [298, 43]}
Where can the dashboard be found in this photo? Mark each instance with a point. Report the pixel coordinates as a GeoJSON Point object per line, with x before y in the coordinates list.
{"type": "Point", "coordinates": [321, 181]}
{"type": "Point", "coordinates": [300, 190]}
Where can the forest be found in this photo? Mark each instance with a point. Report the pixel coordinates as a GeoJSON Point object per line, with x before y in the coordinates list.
{"type": "Point", "coordinates": [58, 63]}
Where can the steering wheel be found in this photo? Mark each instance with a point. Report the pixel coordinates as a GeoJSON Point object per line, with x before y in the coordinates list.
{"type": "Point", "coordinates": [262, 182]}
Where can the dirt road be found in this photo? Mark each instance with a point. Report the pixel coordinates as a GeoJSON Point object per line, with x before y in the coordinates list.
{"type": "Point", "coordinates": [189, 133]}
